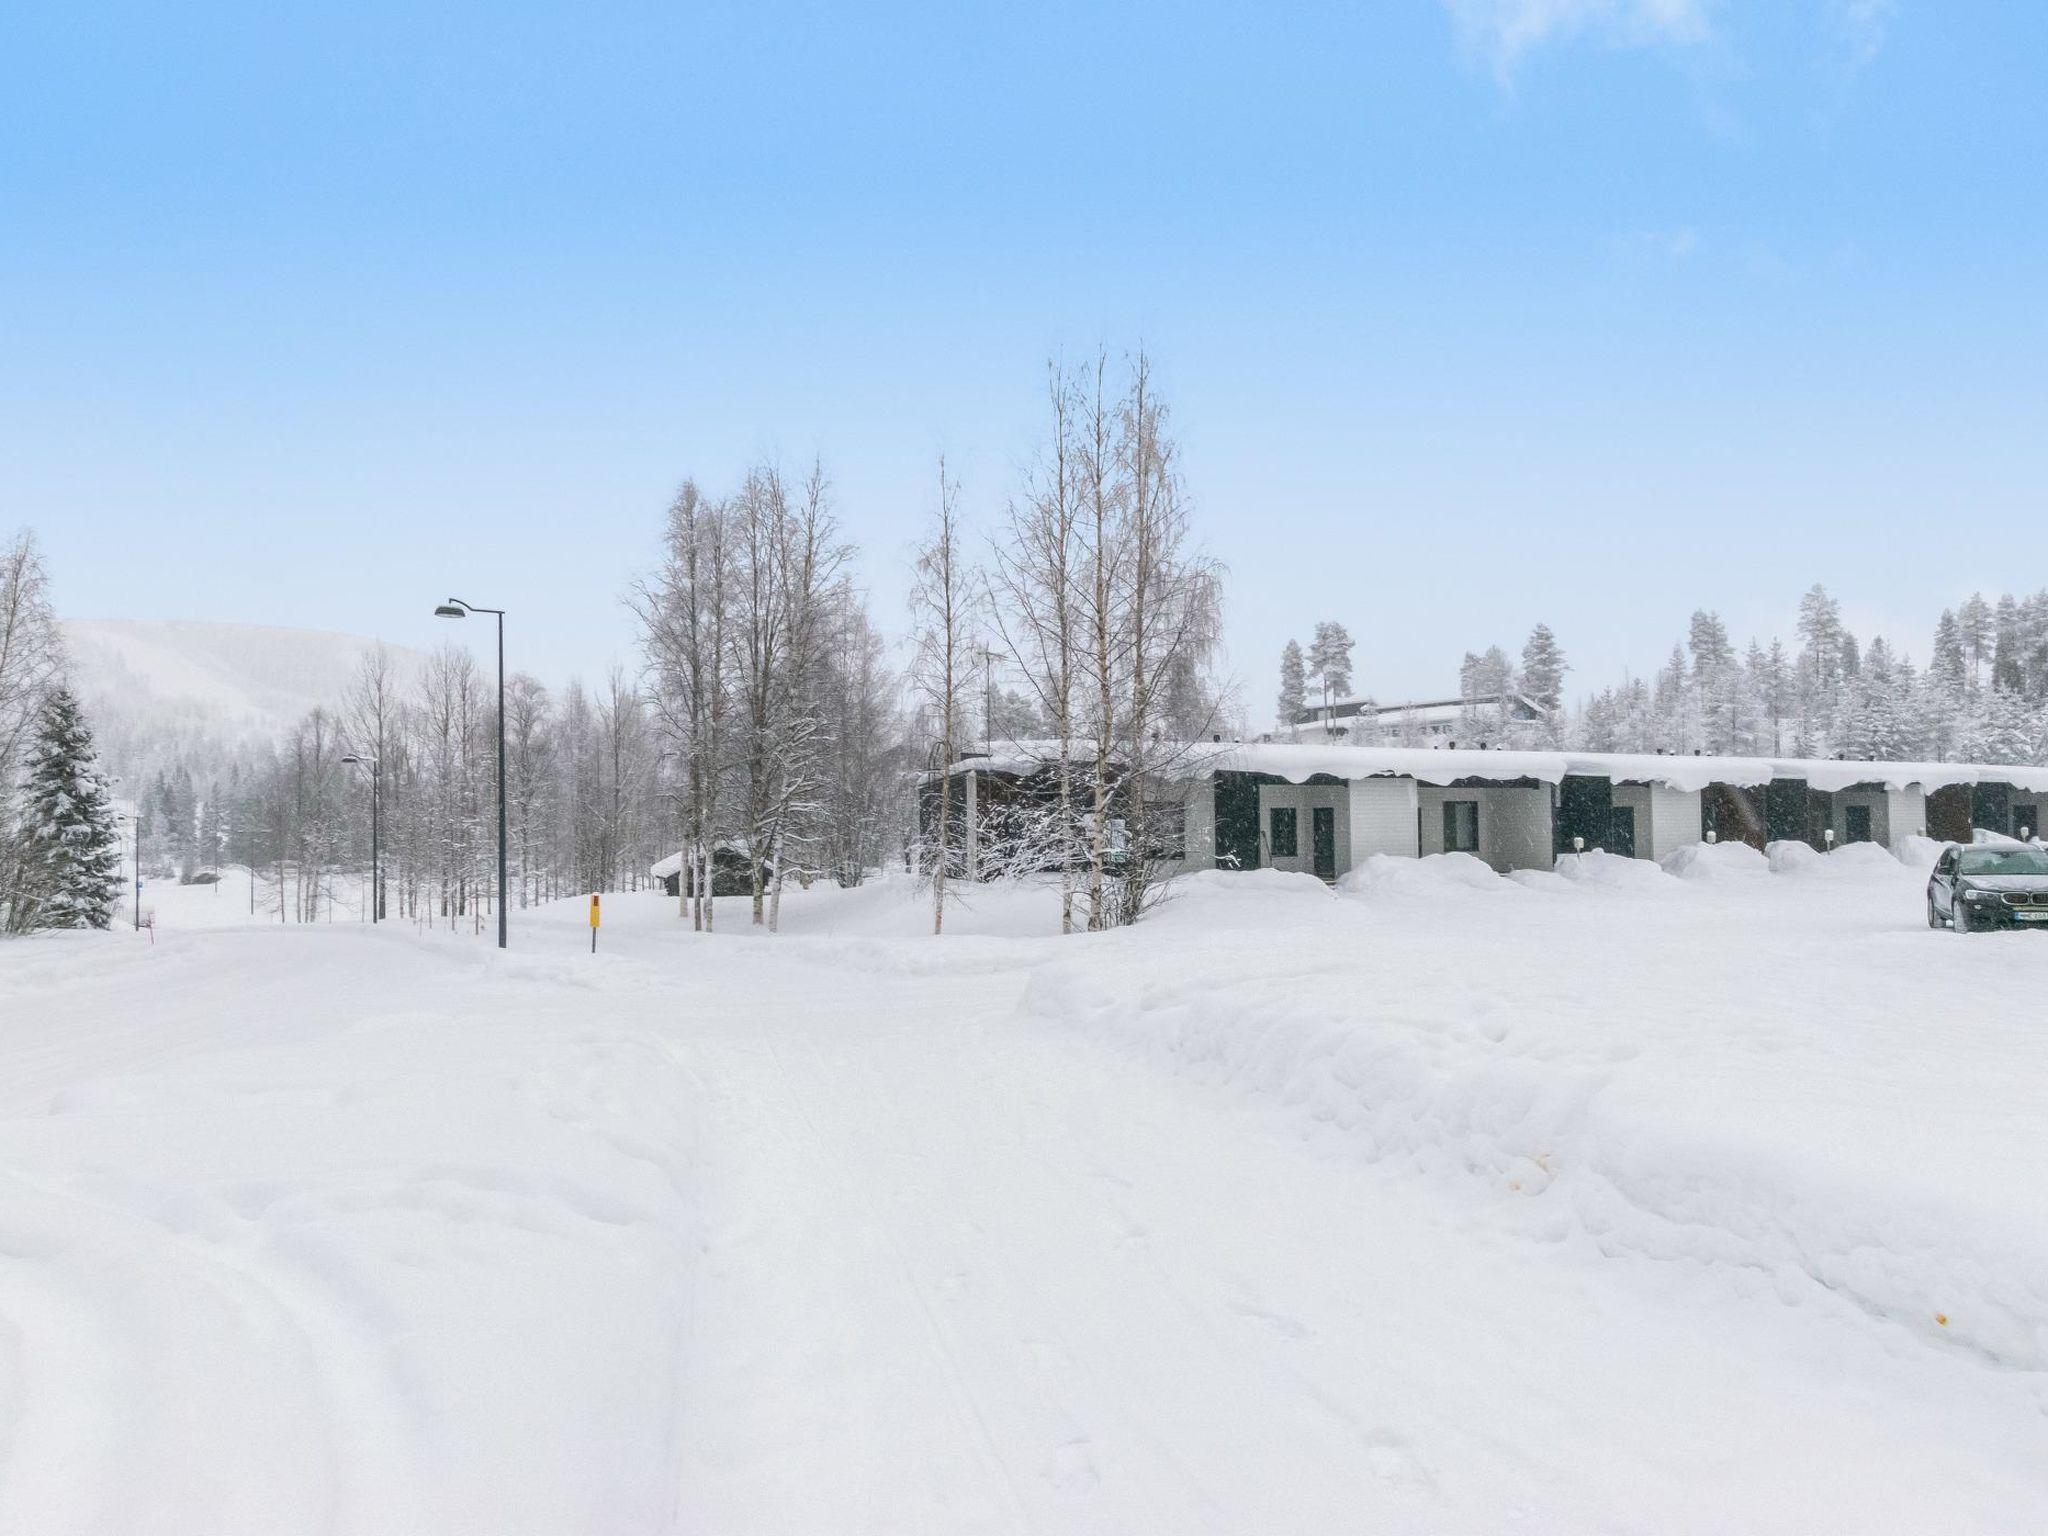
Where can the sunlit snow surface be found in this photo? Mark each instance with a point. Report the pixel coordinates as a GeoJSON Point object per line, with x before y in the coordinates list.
{"type": "Point", "coordinates": [1613, 1199]}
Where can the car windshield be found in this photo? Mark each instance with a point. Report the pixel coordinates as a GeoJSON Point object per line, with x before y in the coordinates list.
{"type": "Point", "coordinates": [2004, 861]}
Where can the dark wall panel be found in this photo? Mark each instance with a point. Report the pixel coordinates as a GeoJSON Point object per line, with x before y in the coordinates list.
{"type": "Point", "coordinates": [1785, 812]}
{"type": "Point", "coordinates": [1237, 821]}
{"type": "Point", "coordinates": [1585, 808]}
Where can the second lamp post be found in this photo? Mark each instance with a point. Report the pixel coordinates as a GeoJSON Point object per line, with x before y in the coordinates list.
{"type": "Point", "coordinates": [456, 608]}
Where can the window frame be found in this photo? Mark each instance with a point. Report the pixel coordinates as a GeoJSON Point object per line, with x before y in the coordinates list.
{"type": "Point", "coordinates": [1452, 842]}
{"type": "Point", "coordinates": [1293, 815]}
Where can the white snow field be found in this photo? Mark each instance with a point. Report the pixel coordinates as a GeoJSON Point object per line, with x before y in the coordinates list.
{"type": "Point", "coordinates": [1615, 1200]}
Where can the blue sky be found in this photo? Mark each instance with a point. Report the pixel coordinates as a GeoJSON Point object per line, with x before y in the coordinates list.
{"type": "Point", "coordinates": [1472, 312]}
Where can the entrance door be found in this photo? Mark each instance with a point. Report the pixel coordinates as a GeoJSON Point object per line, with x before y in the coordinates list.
{"type": "Point", "coordinates": [1583, 807]}
{"type": "Point", "coordinates": [2026, 821]}
{"type": "Point", "coordinates": [1621, 831]}
{"type": "Point", "coordinates": [1322, 834]}
{"type": "Point", "coordinates": [1786, 814]}
{"type": "Point", "coordinates": [1857, 818]}
{"type": "Point", "coordinates": [1991, 807]}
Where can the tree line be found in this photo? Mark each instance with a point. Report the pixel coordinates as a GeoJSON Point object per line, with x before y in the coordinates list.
{"type": "Point", "coordinates": [1982, 695]}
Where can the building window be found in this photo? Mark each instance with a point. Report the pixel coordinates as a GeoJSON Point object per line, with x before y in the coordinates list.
{"type": "Point", "coordinates": [1283, 840]}
{"type": "Point", "coordinates": [1461, 826]}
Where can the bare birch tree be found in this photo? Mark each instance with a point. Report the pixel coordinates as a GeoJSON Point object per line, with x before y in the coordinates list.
{"type": "Point", "coordinates": [941, 611]}
{"type": "Point", "coordinates": [1033, 604]}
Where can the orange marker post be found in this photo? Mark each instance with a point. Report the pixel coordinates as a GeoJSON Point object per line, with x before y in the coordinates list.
{"type": "Point", "coordinates": [593, 922]}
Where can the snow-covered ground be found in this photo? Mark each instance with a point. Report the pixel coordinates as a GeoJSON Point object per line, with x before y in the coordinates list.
{"type": "Point", "coordinates": [1614, 1199]}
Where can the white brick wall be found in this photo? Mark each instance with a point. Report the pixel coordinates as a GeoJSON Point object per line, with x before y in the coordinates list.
{"type": "Point", "coordinates": [1382, 819]}
{"type": "Point", "coordinates": [1304, 799]}
{"type": "Point", "coordinates": [1514, 824]}
{"type": "Point", "coordinates": [1876, 801]}
{"type": "Point", "coordinates": [1675, 821]}
{"type": "Point", "coordinates": [1905, 813]}
{"type": "Point", "coordinates": [1638, 799]}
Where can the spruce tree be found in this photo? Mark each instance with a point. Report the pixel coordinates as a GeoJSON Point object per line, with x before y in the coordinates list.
{"type": "Point", "coordinates": [1293, 686]}
{"type": "Point", "coordinates": [1543, 669]}
{"type": "Point", "coordinates": [71, 851]}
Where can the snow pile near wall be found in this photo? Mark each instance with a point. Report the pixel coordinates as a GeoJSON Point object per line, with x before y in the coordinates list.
{"type": "Point", "coordinates": [1851, 861]}
{"type": "Point", "coordinates": [1716, 861]}
{"type": "Point", "coordinates": [1600, 870]}
{"type": "Point", "coordinates": [1863, 858]}
{"type": "Point", "coordinates": [1919, 853]}
{"type": "Point", "coordinates": [1788, 857]}
{"type": "Point", "coordinates": [1447, 876]}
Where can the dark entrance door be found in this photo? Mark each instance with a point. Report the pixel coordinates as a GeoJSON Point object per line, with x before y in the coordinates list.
{"type": "Point", "coordinates": [1237, 821]}
{"type": "Point", "coordinates": [1991, 807]}
{"type": "Point", "coordinates": [1322, 834]}
{"type": "Point", "coordinates": [1948, 813]}
{"type": "Point", "coordinates": [1621, 831]}
{"type": "Point", "coordinates": [1857, 818]}
{"type": "Point", "coordinates": [1585, 807]}
{"type": "Point", "coordinates": [1785, 811]}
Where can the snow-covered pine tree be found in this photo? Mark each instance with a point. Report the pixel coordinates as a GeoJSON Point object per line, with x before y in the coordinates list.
{"type": "Point", "coordinates": [1543, 669]}
{"type": "Point", "coordinates": [1671, 725]}
{"type": "Point", "coordinates": [70, 845]}
{"type": "Point", "coordinates": [1973, 624]}
{"type": "Point", "coordinates": [1329, 661]}
{"type": "Point", "coordinates": [2007, 646]}
{"type": "Point", "coordinates": [1821, 664]}
{"type": "Point", "coordinates": [2006, 730]}
{"type": "Point", "coordinates": [1293, 694]}
{"type": "Point", "coordinates": [2034, 645]}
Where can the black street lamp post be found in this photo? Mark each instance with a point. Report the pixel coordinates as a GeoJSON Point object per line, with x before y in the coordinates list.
{"type": "Point", "coordinates": [363, 760]}
{"type": "Point", "coordinates": [456, 608]}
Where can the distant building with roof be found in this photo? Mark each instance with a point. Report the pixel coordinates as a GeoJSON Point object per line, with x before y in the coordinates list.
{"type": "Point", "coordinates": [1414, 723]}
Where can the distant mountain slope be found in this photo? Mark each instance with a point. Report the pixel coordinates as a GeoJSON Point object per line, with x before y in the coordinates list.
{"type": "Point", "coordinates": [152, 684]}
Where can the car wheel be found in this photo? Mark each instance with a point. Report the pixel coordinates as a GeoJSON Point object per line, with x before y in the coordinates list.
{"type": "Point", "coordinates": [1959, 917]}
{"type": "Point", "coordinates": [1933, 917]}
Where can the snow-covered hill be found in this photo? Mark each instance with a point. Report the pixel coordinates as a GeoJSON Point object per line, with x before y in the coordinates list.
{"type": "Point", "coordinates": [152, 683]}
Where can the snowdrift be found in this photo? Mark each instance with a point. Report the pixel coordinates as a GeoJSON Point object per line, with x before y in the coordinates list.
{"type": "Point", "coordinates": [1716, 861]}
{"type": "Point", "coordinates": [1919, 853]}
{"type": "Point", "coordinates": [1579, 1122]}
{"type": "Point", "coordinates": [1851, 861]}
{"type": "Point", "coordinates": [1600, 870]}
{"type": "Point", "coordinates": [1441, 876]}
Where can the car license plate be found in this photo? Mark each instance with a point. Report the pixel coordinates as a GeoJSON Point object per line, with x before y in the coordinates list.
{"type": "Point", "coordinates": [2032, 917]}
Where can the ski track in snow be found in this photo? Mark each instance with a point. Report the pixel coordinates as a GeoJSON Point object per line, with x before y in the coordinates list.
{"type": "Point", "coordinates": [1442, 1205]}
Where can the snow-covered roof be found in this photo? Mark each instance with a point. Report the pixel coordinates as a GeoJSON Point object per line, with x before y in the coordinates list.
{"type": "Point", "coordinates": [1299, 761]}
{"type": "Point", "coordinates": [661, 869]}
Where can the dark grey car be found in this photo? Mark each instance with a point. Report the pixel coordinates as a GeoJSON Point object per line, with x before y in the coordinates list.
{"type": "Point", "coordinates": [1989, 886]}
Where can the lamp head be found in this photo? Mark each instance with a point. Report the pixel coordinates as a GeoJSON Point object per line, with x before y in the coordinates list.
{"type": "Point", "coordinates": [451, 610]}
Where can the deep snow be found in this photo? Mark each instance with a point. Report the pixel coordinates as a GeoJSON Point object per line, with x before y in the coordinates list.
{"type": "Point", "coordinates": [1615, 1199]}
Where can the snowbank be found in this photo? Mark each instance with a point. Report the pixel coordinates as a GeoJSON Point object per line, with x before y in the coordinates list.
{"type": "Point", "coordinates": [1716, 861]}
{"type": "Point", "coordinates": [1789, 857]}
{"type": "Point", "coordinates": [1851, 861]}
{"type": "Point", "coordinates": [1621, 1094]}
{"type": "Point", "coordinates": [1919, 853]}
{"type": "Point", "coordinates": [1446, 876]}
{"type": "Point", "coordinates": [1600, 870]}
